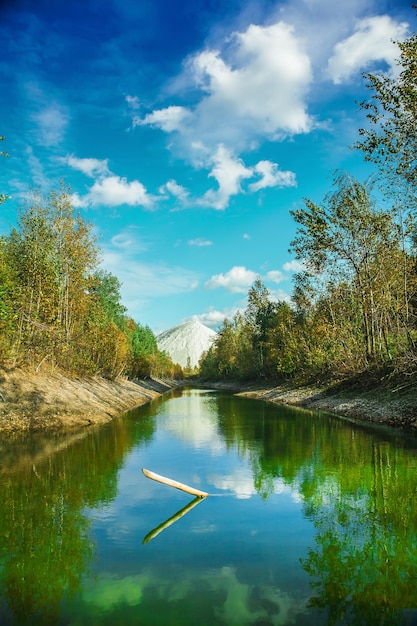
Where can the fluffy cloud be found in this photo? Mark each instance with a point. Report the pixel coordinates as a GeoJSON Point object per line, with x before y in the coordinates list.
{"type": "Point", "coordinates": [271, 176]}
{"type": "Point", "coordinates": [255, 86]}
{"type": "Point", "coordinates": [214, 318]}
{"type": "Point", "coordinates": [228, 171]}
{"type": "Point", "coordinates": [236, 280]}
{"type": "Point", "coordinates": [261, 86]}
{"type": "Point", "coordinates": [294, 266]}
{"type": "Point", "coordinates": [373, 41]}
{"type": "Point", "coordinates": [108, 189]}
{"type": "Point", "coordinates": [239, 279]}
{"type": "Point", "coordinates": [274, 276]}
{"type": "Point", "coordinates": [168, 120]}
{"type": "Point", "coordinates": [115, 190]}
{"type": "Point", "coordinates": [176, 190]}
{"type": "Point", "coordinates": [89, 167]}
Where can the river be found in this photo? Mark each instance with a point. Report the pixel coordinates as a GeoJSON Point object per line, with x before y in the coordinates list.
{"type": "Point", "coordinates": [310, 520]}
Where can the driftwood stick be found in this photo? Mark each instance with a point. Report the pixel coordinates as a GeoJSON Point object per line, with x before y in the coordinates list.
{"type": "Point", "coordinates": [174, 483]}
{"type": "Point", "coordinates": [174, 518]}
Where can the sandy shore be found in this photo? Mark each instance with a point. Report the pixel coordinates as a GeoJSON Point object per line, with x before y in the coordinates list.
{"type": "Point", "coordinates": [39, 401]}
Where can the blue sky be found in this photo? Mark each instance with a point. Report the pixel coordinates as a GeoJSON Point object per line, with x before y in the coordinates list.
{"type": "Point", "coordinates": [187, 130]}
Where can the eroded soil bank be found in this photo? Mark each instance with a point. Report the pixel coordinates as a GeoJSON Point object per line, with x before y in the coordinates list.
{"type": "Point", "coordinates": [39, 401]}
{"type": "Point", "coordinates": [396, 406]}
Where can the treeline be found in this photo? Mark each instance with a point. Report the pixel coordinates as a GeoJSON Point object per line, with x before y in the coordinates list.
{"type": "Point", "coordinates": [58, 308]}
{"type": "Point", "coordinates": [354, 305]}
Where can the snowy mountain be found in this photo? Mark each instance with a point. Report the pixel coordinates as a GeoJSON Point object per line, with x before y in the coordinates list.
{"type": "Point", "coordinates": [186, 343]}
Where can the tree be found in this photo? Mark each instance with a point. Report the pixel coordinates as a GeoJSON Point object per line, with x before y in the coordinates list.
{"type": "Point", "coordinates": [52, 253]}
{"type": "Point", "coordinates": [346, 238]}
{"type": "Point", "coordinates": [390, 141]}
{"type": "Point", "coordinates": [260, 315]}
{"type": "Point", "coordinates": [107, 287]}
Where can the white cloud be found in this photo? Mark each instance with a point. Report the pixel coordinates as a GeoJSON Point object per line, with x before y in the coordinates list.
{"type": "Point", "coordinates": [236, 280]}
{"type": "Point", "coordinates": [108, 189]}
{"type": "Point", "coordinates": [274, 276]}
{"type": "Point", "coordinates": [246, 236]}
{"type": "Point", "coordinates": [271, 176]}
{"type": "Point", "coordinates": [228, 171]}
{"type": "Point", "coordinates": [373, 41]}
{"type": "Point", "coordinates": [77, 201]}
{"type": "Point", "coordinates": [115, 190]}
{"type": "Point", "coordinates": [90, 167]}
{"type": "Point", "coordinates": [254, 85]}
{"type": "Point", "coordinates": [200, 242]}
{"type": "Point", "coordinates": [259, 89]}
{"type": "Point", "coordinates": [168, 120]}
{"type": "Point", "coordinates": [176, 190]}
{"type": "Point", "coordinates": [52, 122]}
{"type": "Point", "coordinates": [294, 266]}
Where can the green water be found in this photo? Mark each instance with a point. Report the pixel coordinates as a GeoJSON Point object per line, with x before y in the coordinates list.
{"type": "Point", "coordinates": [310, 520]}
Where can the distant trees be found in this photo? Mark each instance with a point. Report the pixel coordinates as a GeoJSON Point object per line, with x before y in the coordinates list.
{"type": "Point", "coordinates": [57, 306]}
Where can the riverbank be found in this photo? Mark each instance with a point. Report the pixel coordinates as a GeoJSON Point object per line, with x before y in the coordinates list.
{"type": "Point", "coordinates": [38, 401]}
{"type": "Point", "coordinates": [394, 406]}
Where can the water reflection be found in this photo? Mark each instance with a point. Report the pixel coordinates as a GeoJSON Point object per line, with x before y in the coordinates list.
{"type": "Point", "coordinates": [171, 520]}
{"type": "Point", "coordinates": [317, 525]}
{"type": "Point", "coordinates": [45, 546]}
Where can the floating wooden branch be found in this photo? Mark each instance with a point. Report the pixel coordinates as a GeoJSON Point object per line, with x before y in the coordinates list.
{"type": "Point", "coordinates": [174, 483]}
{"type": "Point", "coordinates": [174, 518]}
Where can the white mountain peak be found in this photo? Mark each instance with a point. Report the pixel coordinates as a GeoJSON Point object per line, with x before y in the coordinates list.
{"type": "Point", "coordinates": [186, 342]}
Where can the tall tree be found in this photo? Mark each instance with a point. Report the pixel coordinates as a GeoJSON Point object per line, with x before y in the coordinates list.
{"type": "Point", "coordinates": [260, 315]}
{"type": "Point", "coordinates": [346, 237]}
{"type": "Point", "coordinates": [390, 140]}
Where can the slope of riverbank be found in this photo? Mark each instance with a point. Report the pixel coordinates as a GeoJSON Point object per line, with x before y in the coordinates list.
{"type": "Point", "coordinates": [395, 406]}
{"type": "Point", "coordinates": [35, 401]}
{"type": "Point", "coordinates": [39, 401]}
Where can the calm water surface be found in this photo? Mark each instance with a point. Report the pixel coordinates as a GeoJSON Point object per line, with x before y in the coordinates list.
{"type": "Point", "coordinates": [311, 520]}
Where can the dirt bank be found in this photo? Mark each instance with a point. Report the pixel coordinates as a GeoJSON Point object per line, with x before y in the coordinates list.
{"type": "Point", "coordinates": [39, 401]}
{"type": "Point", "coordinates": [396, 406]}
{"type": "Point", "coordinates": [35, 401]}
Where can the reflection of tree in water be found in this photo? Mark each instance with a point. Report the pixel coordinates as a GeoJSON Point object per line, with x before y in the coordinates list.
{"type": "Point", "coordinates": [359, 491]}
{"type": "Point", "coordinates": [365, 559]}
{"type": "Point", "coordinates": [45, 547]}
